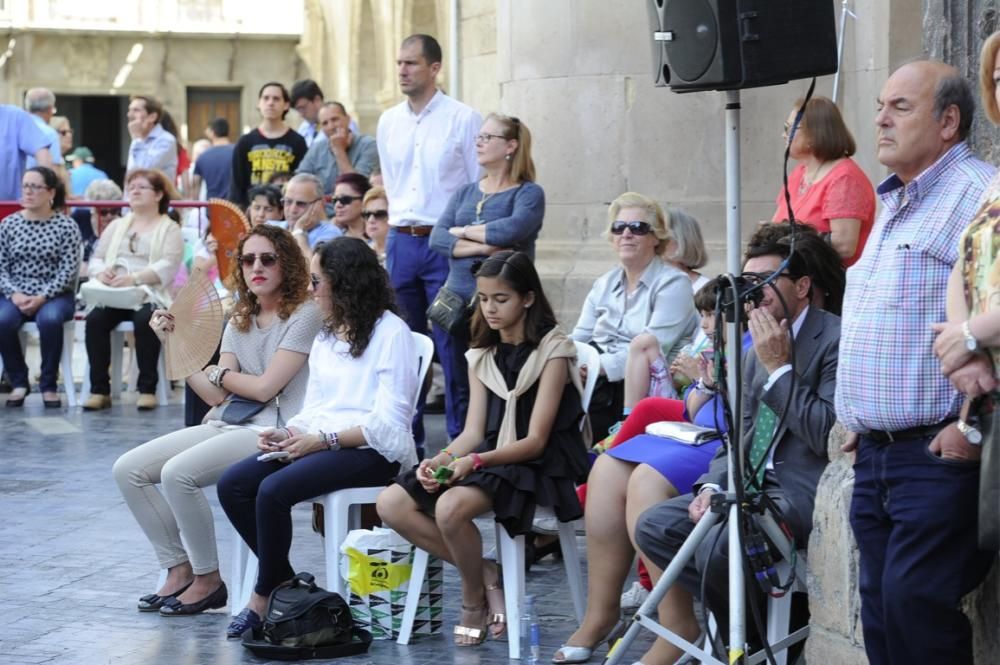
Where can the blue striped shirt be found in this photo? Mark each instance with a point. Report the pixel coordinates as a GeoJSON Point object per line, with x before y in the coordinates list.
{"type": "Point", "coordinates": [887, 377]}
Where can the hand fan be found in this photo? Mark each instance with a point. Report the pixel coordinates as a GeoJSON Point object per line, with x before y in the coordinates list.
{"type": "Point", "coordinates": [228, 225]}
{"type": "Point", "coordinates": [198, 323]}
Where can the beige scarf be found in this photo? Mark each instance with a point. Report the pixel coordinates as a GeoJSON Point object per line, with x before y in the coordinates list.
{"type": "Point", "coordinates": [483, 364]}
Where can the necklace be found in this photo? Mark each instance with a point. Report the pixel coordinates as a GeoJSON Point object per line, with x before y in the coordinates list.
{"type": "Point", "coordinates": [486, 197]}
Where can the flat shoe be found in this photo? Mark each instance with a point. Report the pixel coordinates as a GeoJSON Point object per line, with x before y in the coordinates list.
{"type": "Point", "coordinates": [242, 622]}
{"type": "Point", "coordinates": [146, 402]}
{"type": "Point", "coordinates": [571, 654]}
{"type": "Point", "coordinates": [152, 602]}
{"type": "Point", "coordinates": [174, 608]}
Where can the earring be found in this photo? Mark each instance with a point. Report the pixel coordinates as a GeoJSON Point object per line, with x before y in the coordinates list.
{"type": "Point", "coordinates": [508, 157]}
{"type": "Point", "coordinates": [52, 202]}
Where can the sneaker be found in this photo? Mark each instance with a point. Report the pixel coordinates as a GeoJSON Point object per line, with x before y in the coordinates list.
{"type": "Point", "coordinates": [633, 597]}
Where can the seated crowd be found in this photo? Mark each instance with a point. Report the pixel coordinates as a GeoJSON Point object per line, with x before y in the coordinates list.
{"type": "Point", "coordinates": [351, 249]}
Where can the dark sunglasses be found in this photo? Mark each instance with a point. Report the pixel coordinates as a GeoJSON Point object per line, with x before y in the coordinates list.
{"type": "Point", "coordinates": [344, 200]}
{"type": "Point", "coordinates": [377, 214]}
{"type": "Point", "coordinates": [107, 212]}
{"type": "Point", "coordinates": [636, 228]}
{"type": "Point", "coordinates": [267, 259]}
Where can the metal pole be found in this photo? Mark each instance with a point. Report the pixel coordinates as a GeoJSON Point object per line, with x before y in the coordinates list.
{"type": "Point", "coordinates": [840, 48]}
{"type": "Point", "coordinates": [734, 244]}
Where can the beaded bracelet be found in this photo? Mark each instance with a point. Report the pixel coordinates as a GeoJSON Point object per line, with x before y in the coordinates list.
{"type": "Point", "coordinates": [450, 454]}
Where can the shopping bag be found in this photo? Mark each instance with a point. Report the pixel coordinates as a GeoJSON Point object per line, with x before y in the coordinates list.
{"type": "Point", "coordinates": [376, 568]}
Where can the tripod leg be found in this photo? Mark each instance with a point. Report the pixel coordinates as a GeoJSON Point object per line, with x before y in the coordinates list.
{"type": "Point", "coordinates": [645, 616]}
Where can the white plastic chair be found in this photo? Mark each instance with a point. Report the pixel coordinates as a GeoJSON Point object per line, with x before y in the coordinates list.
{"type": "Point", "coordinates": [341, 513]}
{"type": "Point", "coordinates": [65, 361]}
{"type": "Point", "coordinates": [117, 353]}
{"type": "Point", "coordinates": [511, 550]}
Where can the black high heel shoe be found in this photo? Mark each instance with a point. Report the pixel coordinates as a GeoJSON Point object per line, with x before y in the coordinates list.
{"type": "Point", "coordinates": [14, 402]}
{"type": "Point", "coordinates": [213, 601]}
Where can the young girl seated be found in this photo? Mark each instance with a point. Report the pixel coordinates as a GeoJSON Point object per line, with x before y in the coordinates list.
{"type": "Point", "coordinates": [521, 445]}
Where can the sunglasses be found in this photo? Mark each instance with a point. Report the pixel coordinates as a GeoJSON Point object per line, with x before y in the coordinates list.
{"type": "Point", "coordinates": [107, 212]}
{"type": "Point", "coordinates": [267, 259]}
{"type": "Point", "coordinates": [377, 214]}
{"type": "Point", "coordinates": [344, 200]}
{"type": "Point", "coordinates": [636, 228]}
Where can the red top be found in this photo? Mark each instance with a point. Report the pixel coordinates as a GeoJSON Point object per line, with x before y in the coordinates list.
{"type": "Point", "coordinates": [843, 193]}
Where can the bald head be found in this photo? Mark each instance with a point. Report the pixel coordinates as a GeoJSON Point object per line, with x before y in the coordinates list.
{"type": "Point", "coordinates": [925, 108]}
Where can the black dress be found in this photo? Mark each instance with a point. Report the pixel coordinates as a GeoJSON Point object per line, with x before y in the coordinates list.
{"type": "Point", "coordinates": [549, 480]}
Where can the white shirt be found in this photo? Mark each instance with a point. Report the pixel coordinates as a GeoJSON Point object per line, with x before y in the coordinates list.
{"type": "Point", "coordinates": [426, 157]}
{"type": "Point", "coordinates": [376, 391]}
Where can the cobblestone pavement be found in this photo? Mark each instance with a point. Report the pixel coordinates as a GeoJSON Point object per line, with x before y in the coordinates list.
{"type": "Point", "coordinates": [73, 562]}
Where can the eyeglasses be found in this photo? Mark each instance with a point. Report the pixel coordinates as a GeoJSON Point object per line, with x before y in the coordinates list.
{"type": "Point", "coordinates": [314, 279]}
{"type": "Point", "coordinates": [65, 132]}
{"type": "Point", "coordinates": [485, 138]}
{"type": "Point", "coordinates": [377, 214]}
{"type": "Point", "coordinates": [139, 188]}
{"type": "Point", "coordinates": [636, 228]}
{"type": "Point", "coordinates": [267, 259]}
{"type": "Point", "coordinates": [344, 200]}
{"type": "Point", "coordinates": [32, 187]}
{"type": "Point", "coordinates": [295, 203]}
{"type": "Point", "coordinates": [770, 277]}
{"type": "Point", "coordinates": [107, 212]}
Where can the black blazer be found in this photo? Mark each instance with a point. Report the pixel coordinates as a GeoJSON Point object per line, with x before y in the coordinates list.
{"type": "Point", "coordinates": [800, 455]}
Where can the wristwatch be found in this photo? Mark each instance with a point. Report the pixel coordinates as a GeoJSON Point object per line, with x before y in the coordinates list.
{"type": "Point", "coordinates": [971, 343]}
{"type": "Point", "coordinates": [971, 433]}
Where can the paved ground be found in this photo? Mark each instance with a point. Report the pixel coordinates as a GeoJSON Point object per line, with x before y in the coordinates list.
{"type": "Point", "coordinates": [73, 562]}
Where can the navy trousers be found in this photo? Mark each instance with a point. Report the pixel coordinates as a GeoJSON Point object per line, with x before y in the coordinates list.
{"type": "Point", "coordinates": [49, 318]}
{"type": "Point", "coordinates": [417, 272]}
{"type": "Point", "coordinates": [258, 499]}
{"type": "Point", "coordinates": [914, 516]}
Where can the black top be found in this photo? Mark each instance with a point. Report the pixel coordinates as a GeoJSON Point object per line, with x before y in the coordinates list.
{"type": "Point", "coordinates": [256, 158]}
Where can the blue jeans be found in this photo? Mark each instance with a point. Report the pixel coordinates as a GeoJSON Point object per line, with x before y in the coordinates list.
{"type": "Point", "coordinates": [914, 516]}
{"type": "Point", "coordinates": [49, 318]}
{"type": "Point", "coordinates": [258, 499]}
{"type": "Point", "coordinates": [417, 272]}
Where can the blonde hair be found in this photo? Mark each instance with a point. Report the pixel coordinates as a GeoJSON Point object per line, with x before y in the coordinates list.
{"type": "Point", "coordinates": [654, 216]}
{"type": "Point", "coordinates": [522, 167]}
{"type": "Point", "coordinates": [375, 192]}
{"type": "Point", "coordinates": [987, 86]}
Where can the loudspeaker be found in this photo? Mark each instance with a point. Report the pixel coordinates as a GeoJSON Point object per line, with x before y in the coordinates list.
{"type": "Point", "coordinates": [731, 44]}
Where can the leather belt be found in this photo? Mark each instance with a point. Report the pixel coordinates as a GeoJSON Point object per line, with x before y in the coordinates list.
{"type": "Point", "coordinates": [416, 231]}
{"type": "Point", "coordinates": [922, 432]}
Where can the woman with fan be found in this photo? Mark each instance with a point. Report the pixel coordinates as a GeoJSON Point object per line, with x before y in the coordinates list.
{"type": "Point", "coordinates": [354, 429]}
{"type": "Point", "coordinates": [261, 378]}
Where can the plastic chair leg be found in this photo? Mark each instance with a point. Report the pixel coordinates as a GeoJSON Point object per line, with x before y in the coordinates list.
{"type": "Point", "coordinates": [417, 575]}
{"type": "Point", "coordinates": [574, 571]}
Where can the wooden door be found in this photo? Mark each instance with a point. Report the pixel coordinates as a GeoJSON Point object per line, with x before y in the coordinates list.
{"type": "Point", "coordinates": [207, 104]}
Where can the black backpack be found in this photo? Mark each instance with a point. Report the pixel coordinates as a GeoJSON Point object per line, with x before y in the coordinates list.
{"type": "Point", "coordinates": [305, 621]}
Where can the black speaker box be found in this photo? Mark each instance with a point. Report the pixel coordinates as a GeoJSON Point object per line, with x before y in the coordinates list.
{"type": "Point", "coordinates": [731, 44]}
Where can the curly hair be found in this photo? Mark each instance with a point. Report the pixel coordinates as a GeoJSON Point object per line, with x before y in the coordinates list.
{"type": "Point", "coordinates": [294, 277]}
{"type": "Point", "coordinates": [359, 291]}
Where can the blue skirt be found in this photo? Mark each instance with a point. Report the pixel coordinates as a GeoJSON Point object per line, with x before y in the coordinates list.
{"type": "Point", "coordinates": [678, 462]}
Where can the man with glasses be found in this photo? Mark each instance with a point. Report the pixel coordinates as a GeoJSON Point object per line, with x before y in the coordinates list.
{"type": "Point", "coordinates": [787, 401]}
{"type": "Point", "coordinates": [426, 151]}
{"type": "Point", "coordinates": [343, 151]}
{"type": "Point", "coordinates": [305, 214]}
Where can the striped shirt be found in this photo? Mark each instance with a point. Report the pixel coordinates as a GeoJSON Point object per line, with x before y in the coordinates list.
{"type": "Point", "coordinates": [887, 377]}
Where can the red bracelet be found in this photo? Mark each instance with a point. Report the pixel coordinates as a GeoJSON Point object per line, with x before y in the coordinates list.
{"type": "Point", "coordinates": [477, 461]}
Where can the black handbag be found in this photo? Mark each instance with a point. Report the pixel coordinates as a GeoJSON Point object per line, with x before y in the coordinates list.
{"type": "Point", "coordinates": [304, 621]}
{"type": "Point", "coordinates": [989, 472]}
{"type": "Point", "coordinates": [241, 410]}
{"type": "Point", "coordinates": [450, 311]}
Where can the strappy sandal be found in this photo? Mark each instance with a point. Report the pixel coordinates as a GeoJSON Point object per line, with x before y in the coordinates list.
{"type": "Point", "coordinates": [475, 633]}
{"type": "Point", "coordinates": [496, 618]}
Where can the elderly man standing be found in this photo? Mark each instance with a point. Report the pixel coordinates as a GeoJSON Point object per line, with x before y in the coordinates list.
{"type": "Point", "coordinates": [427, 150]}
{"type": "Point", "coordinates": [916, 475]}
{"type": "Point", "coordinates": [19, 139]}
{"type": "Point", "coordinates": [152, 146]}
{"type": "Point", "coordinates": [41, 104]}
{"type": "Point", "coordinates": [343, 151]}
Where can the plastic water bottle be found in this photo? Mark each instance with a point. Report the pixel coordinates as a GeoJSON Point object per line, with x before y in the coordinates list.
{"type": "Point", "coordinates": [531, 642]}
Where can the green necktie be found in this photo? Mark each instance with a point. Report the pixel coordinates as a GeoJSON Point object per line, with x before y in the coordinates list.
{"type": "Point", "coordinates": [767, 421]}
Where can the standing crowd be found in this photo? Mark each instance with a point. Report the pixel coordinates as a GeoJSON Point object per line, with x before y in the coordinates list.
{"type": "Point", "coordinates": [359, 242]}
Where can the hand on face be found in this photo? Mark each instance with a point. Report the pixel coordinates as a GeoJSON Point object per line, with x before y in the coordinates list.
{"type": "Point", "coordinates": [771, 340]}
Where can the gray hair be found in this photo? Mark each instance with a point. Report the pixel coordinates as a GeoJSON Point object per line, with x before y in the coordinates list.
{"type": "Point", "coordinates": [310, 178]}
{"type": "Point", "coordinates": [39, 99]}
{"type": "Point", "coordinates": [955, 90]}
{"type": "Point", "coordinates": [686, 232]}
{"type": "Point", "coordinates": [103, 190]}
